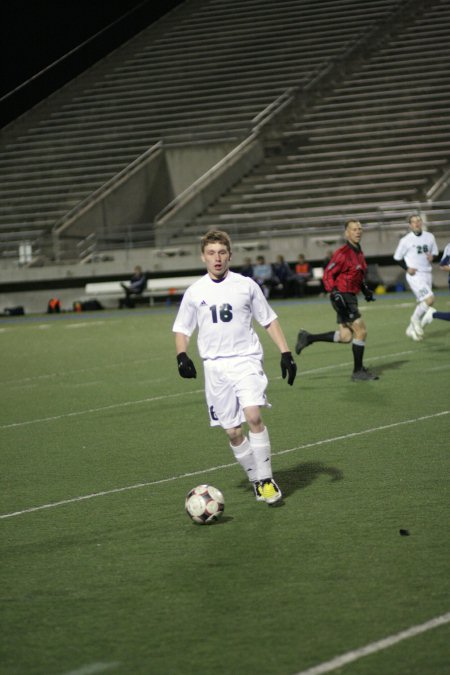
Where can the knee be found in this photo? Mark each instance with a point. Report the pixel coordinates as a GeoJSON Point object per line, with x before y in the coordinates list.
{"type": "Point", "coordinates": [254, 419]}
{"type": "Point", "coordinates": [361, 333]}
{"type": "Point", "coordinates": [345, 335]}
{"type": "Point", "coordinates": [235, 435]}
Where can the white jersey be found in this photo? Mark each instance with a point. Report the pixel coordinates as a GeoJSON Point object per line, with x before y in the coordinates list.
{"type": "Point", "coordinates": [414, 248]}
{"type": "Point", "coordinates": [223, 311]}
{"type": "Point", "coordinates": [445, 260]}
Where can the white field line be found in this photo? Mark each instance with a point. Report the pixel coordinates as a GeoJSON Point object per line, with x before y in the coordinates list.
{"type": "Point", "coordinates": [76, 371]}
{"type": "Point", "coordinates": [374, 647]}
{"type": "Point", "coordinates": [89, 411]}
{"type": "Point", "coordinates": [84, 324]}
{"type": "Point", "coordinates": [93, 668]}
{"type": "Point", "coordinates": [126, 488]}
{"type": "Point", "coordinates": [159, 398]}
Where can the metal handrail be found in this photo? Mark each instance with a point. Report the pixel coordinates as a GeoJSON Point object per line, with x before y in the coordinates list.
{"type": "Point", "coordinates": [265, 116]}
{"type": "Point", "coordinates": [104, 190]}
{"type": "Point", "coordinates": [267, 113]}
{"type": "Point", "coordinates": [441, 183]}
{"type": "Point", "coordinates": [259, 122]}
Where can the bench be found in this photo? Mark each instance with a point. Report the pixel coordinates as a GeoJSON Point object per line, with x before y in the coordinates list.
{"type": "Point", "coordinates": [317, 276]}
{"type": "Point", "coordinates": [106, 291]}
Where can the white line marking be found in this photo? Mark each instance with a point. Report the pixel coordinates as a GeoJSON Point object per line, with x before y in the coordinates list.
{"type": "Point", "coordinates": [374, 647]}
{"type": "Point", "coordinates": [93, 668]}
{"type": "Point", "coordinates": [126, 488]}
{"type": "Point", "coordinates": [94, 410]}
{"type": "Point", "coordinates": [157, 398]}
{"type": "Point", "coordinates": [66, 372]}
{"type": "Point", "coordinates": [84, 324]}
{"type": "Point", "coordinates": [363, 432]}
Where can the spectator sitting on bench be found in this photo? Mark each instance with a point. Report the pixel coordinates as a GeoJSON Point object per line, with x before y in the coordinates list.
{"type": "Point", "coordinates": [134, 287]}
{"type": "Point", "coordinates": [247, 268]}
{"type": "Point", "coordinates": [284, 276]}
{"type": "Point", "coordinates": [263, 275]}
{"type": "Point", "coordinates": [303, 274]}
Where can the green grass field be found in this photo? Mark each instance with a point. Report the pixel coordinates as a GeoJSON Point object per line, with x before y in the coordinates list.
{"type": "Point", "coordinates": [102, 571]}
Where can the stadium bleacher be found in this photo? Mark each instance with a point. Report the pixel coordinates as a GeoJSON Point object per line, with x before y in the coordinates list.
{"type": "Point", "coordinates": [378, 137]}
{"type": "Point", "coordinates": [371, 134]}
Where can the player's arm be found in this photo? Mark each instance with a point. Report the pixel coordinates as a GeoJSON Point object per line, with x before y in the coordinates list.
{"type": "Point", "coordinates": [288, 365]}
{"type": "Point", "coordinates": [335, 267]}
{"type": "Point", "coordinates": [434, 251]}
{"type": "Point", "coordinates": [399, 257]}
{"type": "Point", "coordinates": [276, 333]}
{"type": "Point", "coordinates": [367, 292]}
{"type": "Point", "coordinates": [329, 275]}
{"type": "Point", "coordinates": [404, 266]}
{"type": "Point", "coordinates": [444, 263]}
{"type": "Point", "coordinates": [181, 343]}
{"type": "Point", "coordinates": [186, 366]}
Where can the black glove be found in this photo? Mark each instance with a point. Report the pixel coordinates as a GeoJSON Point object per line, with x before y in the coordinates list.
{"type": "Point", "coordinates": [368, 294]}
{"type": "Point", "coordinates": [186, 367]}
{"type": "Point", "coordinates": [338, 302]}
{"type": "Point", "coordinates": [341, 307]}
{"type": "Point", "coordinates": [288, 367]}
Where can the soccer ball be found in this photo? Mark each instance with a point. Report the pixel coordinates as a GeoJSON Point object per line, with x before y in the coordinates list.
{"type": "Point", "coordinates": [204, 504]}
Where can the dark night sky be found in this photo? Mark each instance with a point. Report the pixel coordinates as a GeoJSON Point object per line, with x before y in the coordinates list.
{"type": "Point", "coordinates": [36, 33]}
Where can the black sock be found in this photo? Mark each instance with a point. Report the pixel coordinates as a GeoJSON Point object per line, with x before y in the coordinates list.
{"type": "Point", "coordinates": [358, 352]}
{"type": "Point", "coordinates": [321, 337]}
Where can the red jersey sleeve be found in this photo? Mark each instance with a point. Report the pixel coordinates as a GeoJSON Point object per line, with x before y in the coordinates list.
{"type": "Point", "coordinates": [332, 270]}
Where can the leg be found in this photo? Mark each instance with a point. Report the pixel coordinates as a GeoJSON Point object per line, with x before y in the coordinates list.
{"type": "Point", "coordinates": [265, 489]}
{"type": "Point", "coordinates": [421, 285]}
{"type": "Point", "coordinates": [254, 456]}
{"type": "Point", "coordinates": [235, 392]}
{"type": "Point", "coordinates": [343, 334]}
{"type": "Point", "coordinates": [260, 442]}
{"type": "Point", "coordinates": [301, 283]}
{"type": "Point", "coordinates": [445, 316]}
{"type": "Point", "coordinates": [432, 313]}
{"type": "Point", "coordinates": [359, 330]}
{"type": "Point", "coordinates": [243, 452]}
{"type": "Point", "coordinates": [419, 313]}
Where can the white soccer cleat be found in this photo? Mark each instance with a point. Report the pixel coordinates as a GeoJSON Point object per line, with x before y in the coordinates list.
{"type": "Point", "coordinates": [269, 491]}
{"type": "Point", "coordinates": [428, 316]}
{"type": "Point", "coordinates": [417, 327]}
{"type": "Point", "coordinates": [410, 332]}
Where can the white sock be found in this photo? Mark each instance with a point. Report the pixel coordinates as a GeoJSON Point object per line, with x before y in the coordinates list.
{"type": "Point", "coordinates": [420, 310]}
{"type": "Point", "coordinates": [260, 443]}
{"type": "Point", "coordinates": [337, 336]}
{"type": "Point", "coordinates": [244, 455]}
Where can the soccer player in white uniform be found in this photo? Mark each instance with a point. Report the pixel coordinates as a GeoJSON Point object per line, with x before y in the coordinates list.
{"type": "Point", "coordinates": [222, 305]}
{"type": "Point", "coordinates": [431, 313]}
{"type": "Point", "coordinates": [445, 262]}
{"type": "Point", "coordinates": [415, 253]}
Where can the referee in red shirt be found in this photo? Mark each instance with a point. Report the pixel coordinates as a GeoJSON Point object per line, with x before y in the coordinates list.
{"type": "Point", "coordinates": [344, 278]}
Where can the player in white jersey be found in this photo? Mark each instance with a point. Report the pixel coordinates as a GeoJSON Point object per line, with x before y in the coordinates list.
{"type": "Point", "coordinates": [222, 305]}
{"type": "Point", "coordinates": [431, 313]}
{"type": "Point", "coordinates": [444, 263]}
{"type": "Point", "coordinates": [415, 253]}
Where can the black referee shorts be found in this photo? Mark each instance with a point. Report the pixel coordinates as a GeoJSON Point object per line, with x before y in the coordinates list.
{"type": "Point", "coordinates": [353, 312]}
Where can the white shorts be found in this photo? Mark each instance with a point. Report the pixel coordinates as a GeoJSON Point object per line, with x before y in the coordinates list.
{"type": "Point", "coordinates": [421, 285]}
{"type": "Point", "coordinates": [231, 385]}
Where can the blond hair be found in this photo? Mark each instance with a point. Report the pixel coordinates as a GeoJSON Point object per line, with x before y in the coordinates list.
{"type": "Point", "coordinates": [215, 236]}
